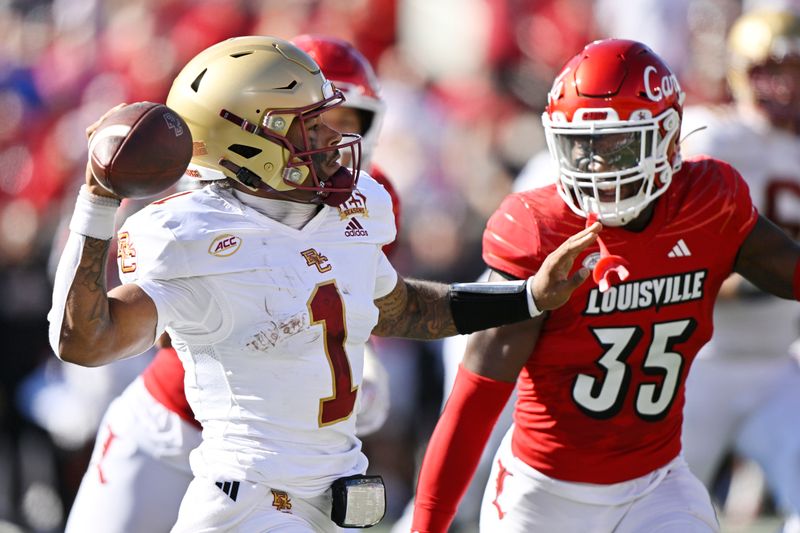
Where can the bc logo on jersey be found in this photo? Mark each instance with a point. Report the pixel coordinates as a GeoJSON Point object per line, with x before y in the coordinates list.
{"type": "Point", "coordinates": [126, 253]}
{"type": "Point", "coordinates": [281, 501]}
{"type": "Point", "coordinates": [225, 245]}
{"type": "Point", "coordinates": [314, 258]}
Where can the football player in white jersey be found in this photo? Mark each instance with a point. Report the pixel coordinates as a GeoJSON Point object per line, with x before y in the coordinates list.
{"type": "Point", "coordinates": [140, 465]}
{"type": "Point", "coordinates": [269, 282]}
{"type": "Point", "coordinates": [744, 389]}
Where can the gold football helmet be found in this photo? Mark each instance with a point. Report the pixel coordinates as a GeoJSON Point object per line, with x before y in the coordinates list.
{"type": "Point", "coordinates": [764, 69]}
{"type": "Point", "coordinates": [239, 98]}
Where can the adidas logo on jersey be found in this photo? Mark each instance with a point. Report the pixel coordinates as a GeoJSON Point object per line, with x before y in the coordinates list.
{"type": "Point", "coordinates": [229, 488]}
{"type": "Point", "coordinates": [355, 229]}
{"type": "Point", "coordinates": [680, 250]}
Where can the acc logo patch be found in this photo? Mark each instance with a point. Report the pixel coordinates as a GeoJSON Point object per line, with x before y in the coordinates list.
{"type": "Point", "coordinates": [591, 260]}
{"type": "Point", "coordinates": [225, 245]}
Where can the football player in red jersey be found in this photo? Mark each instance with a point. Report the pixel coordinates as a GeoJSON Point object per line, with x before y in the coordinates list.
{"type": "Point", "coordinates": [596, 441]}
{"type": "Point", "coordinates": [140, 465]}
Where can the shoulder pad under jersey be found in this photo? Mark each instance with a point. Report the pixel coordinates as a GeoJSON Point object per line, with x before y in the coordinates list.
{"type": "Point", "coordinates": [369, 209]}
{"type": "Point", "coordinates": [184, 235]}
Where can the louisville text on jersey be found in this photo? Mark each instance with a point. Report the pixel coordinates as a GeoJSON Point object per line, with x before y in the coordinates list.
{"type": "Point", "coordinates": [642, 294]}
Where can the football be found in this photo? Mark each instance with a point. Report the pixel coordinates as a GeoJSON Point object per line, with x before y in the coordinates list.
{"type": "Point", "coordinates": [140, 150]}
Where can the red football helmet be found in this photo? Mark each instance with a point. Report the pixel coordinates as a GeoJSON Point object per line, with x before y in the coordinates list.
{"type": "Point", "coordinates": [612, 123]}
{"type": "Point", "coordinates": [352, 74]}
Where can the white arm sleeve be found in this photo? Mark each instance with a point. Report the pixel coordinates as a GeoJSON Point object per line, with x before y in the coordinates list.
{"type": "Point", "coordinates": [65, 275]}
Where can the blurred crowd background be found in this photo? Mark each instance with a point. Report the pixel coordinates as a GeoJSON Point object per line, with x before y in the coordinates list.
{"type": "Point", "coordinates": [465, 83]}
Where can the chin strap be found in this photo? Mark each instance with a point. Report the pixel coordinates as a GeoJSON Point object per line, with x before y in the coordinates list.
{"type": "Point", "coordinates": [341, 179]}
{"type": "Point", "coordinates": [246, 176]}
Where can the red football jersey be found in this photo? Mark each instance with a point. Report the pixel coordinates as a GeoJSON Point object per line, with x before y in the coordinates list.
{"type": "Point", "coordinates": [602, 394]}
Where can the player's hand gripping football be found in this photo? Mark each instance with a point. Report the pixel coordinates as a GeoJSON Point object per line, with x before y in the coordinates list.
{"type": "Point", "coordinates": [138, 150]}
{"type": "Point", "coordinates": [91, 181]}
{"type": "Point", "coordinates": [552, 285]}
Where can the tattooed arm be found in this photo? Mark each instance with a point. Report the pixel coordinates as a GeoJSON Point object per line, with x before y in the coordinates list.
{"type": "Point", "coordinates": [99, 327]}
{"type": "Point", "coordinates": [424, 309]}
{"type": "Point", "coordinates": [415, 309]}
{"type": "Point", "coordinates": [89, 326]}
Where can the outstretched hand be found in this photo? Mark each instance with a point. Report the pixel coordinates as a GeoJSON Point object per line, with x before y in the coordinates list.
{"type": "Point", "coordinates": [552, 285]}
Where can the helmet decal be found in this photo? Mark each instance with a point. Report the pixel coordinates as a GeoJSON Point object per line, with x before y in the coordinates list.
{"type": "Point", "coordinates": [666, 87]}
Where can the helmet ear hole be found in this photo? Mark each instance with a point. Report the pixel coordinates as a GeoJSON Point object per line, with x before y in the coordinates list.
{"type": "Point", "coordinates": [247, 152]}
{"type": "Point", "coordinates": [196, 83]}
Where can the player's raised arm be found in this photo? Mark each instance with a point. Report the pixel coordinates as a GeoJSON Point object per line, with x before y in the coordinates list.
{"type": "Point", "coordinates": [428, 310]}
{"type": "Point", "coordinates": [770, 259]}
{"type": "Point", "coordinates": [88, 325]}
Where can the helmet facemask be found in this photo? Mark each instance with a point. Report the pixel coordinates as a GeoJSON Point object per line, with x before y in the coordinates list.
{"type": "Point", "coordinates": [353, 74]}
{"type": "Point", "coordinates": [303, 161]}
{"type": "Point", "coordinates": [610, 167]}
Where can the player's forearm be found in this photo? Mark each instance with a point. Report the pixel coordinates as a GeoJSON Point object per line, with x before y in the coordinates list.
{"type": "Point", "coordinates": [416, 309]}
{"type": "Point", "coordinates": [80, 317]}
{"type": "Point", "coordinates": [428, 310]}
{"type": "Point", "coordinates": [86, 325]}
{"type": "Point", "coordinates": [455, 448]}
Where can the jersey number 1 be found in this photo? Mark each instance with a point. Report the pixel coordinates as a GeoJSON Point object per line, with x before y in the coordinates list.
{"type": "Point", "coordinates": [327, 308]}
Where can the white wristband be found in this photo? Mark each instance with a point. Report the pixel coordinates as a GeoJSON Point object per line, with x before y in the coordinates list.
{"type": "Point", "coordinates": [94, 215]}
{"type": "Point", "coordinates": [532, 309]}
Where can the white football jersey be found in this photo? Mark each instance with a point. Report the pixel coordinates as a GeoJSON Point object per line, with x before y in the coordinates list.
{"type": "Point", "coordinates": [270, 323]}
{"type": "Point", "coordinates": [769, 161]}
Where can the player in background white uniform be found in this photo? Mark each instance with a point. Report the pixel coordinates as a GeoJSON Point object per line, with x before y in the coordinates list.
{"type": "Point", "coordinates": [744, 389]}
{"type": "Point", "coordinates": [269, 283]}
{"type": "Point", "coordinates": [140, 465]}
